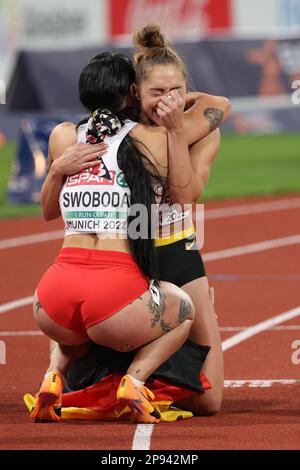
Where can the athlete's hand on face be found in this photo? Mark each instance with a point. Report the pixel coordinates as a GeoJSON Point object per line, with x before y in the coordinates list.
{"type": "Point", "coordinates": [78, 157]}
{"type": "Point", "coordinates": [170, 110]}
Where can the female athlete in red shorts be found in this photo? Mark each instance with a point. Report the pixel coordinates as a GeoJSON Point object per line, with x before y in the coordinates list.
{"type": "Point", "coordinates": [103, 284]}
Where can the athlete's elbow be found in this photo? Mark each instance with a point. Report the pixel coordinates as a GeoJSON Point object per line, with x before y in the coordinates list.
{"type": "Point", "coordinates": [48, 217]}
{"type": "Point", "coordinates": [193, 196]}
{"type": "Point", "coordinates": [180, 197]}
{"type": "Point", "coordinates": [179, 200]}
{"type": "Point", "coordinates": [183, 199]}
{"type": "Point", "coordinates": [197, 188]}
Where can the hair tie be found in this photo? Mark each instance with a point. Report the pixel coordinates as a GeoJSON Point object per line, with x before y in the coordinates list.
{"type": "Point", "coordinates": [102, 122]}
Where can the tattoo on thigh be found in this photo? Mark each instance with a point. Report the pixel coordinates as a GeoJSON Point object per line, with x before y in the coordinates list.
{"type": "Point", "coordinates": [158, 313]}
{"type": "Point", "coordinates": [38, 306]}
{"type": "Point", "coordinates": [214, 116]}
{"type": "Point", "coordinates": [138, 298]}
{"type": "Point", "coordinates": [166, 327]}
{"type": "Point", "coordinates": [157, 310]}
{"type": "Point", "coordinates": [184, 310]}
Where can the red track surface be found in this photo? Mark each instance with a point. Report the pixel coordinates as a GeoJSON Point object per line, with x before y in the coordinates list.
{"type": "Point", "coordinates": [251, 418]}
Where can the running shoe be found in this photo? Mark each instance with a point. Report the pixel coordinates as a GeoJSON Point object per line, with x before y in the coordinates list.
{"type": "Point", "coordinates": [137, 399]}
{"type": "Point", "coordinates": [47, 407]}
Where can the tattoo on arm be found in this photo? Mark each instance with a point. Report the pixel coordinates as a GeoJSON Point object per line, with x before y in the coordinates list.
{"type": "Point", "coordinates": [214, 116]}
{"type": "Point", "coordinates": [184, 310]}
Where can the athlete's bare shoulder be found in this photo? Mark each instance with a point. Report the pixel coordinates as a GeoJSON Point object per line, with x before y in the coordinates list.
{"type": "Point", "coordinates": [146, 129]}
{"type": "Point", "coordinates": [63, 131]}
{"type": "Point", "coordinates": [62, 136]}
{"type": "Point", "coordinates": [154, 140]}
{"type": "Point", "coordinates": [154, 137]}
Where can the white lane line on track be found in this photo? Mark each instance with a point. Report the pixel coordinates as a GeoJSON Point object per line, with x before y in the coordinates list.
{"type": "Point", "coordinates": [259, 327]}
{"type": "Point", "coordinates": [222, 328]}
{"type": "Point", "coordinates": [31, 239]}
{"type": "Point", "coordinates": [224, 212]}
{"type": "Point", "coordinates": [264, 383]}
{"type": "Point", "coordinates": [274, 328]}
{"type": "Point", "coordinates": [212, 256]}
{"type": "Point", "coordinates": [142, 437]}
{"type": "Point", "coordinates": [227, 344]}
{"type": "Point", "coordinates": [22, 333]}
{"type": "Point", "coordinates": [252, 248]}
{"type": "Point", "coordinates": [257, 208]}
{"type": "Point", "coordinates": [16, 304]}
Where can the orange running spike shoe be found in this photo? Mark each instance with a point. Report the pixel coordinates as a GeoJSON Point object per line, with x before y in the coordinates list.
{"type": "Point", "coordinates": [47, 406]}
{"type": "Point", "coordinates": [137, 399]}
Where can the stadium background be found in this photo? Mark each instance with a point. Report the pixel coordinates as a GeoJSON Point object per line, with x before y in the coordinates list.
{"type": "Point", "coordinates": [246, 50]}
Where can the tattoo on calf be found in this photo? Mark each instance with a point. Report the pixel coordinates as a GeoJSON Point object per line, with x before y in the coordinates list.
{"type": "Point", "coordinates": [184, 310]}
{"type": "Point", "coordinates": [214, 116]}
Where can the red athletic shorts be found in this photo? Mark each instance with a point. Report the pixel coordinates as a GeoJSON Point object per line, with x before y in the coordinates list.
{"type": "Point", "coordinates": [84, 287]}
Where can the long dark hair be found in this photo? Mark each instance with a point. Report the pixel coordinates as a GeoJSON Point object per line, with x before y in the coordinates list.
{"type": "Point", "coordinates": [104, 83]}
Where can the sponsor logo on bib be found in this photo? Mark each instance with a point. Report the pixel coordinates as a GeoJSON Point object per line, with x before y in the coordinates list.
{"type": "Point", "coordinates": [86, 177]}
{"type": "Point", "coordinates": [121, 180]}
{"type": "Point", "coordinates": [100, 170]}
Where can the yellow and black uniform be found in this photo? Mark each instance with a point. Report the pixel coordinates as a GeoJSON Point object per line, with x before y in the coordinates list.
{"type": "Point", "coordinates": [178, 257]}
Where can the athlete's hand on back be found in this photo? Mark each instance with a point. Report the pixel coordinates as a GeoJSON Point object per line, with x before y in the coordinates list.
{"type": "Point", "coordinates": [78, 157]}
{"type": "Point", "coordinates": [170, 110]}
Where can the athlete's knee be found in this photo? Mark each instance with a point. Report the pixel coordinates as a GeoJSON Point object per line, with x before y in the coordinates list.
{"type": "Point", "coordinates": [209, 406]}
{"type": "Point", "coordinates": [177, 296]}
{"type": "Point", "coordinates": [211, 409]}
{"type": "Point", "coordinates": [183, 308]}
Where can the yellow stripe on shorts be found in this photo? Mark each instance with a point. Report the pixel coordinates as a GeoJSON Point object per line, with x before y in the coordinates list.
{"type": "Point", "coordinates": [175, 237]}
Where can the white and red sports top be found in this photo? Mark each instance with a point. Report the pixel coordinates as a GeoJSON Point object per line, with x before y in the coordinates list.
{"type": "Point", "coordinates": [97, 199]}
